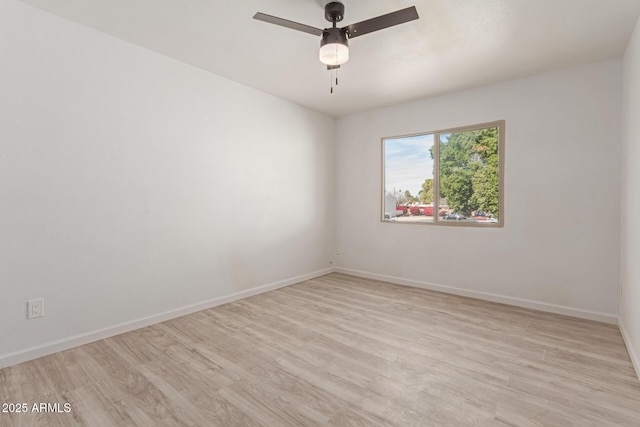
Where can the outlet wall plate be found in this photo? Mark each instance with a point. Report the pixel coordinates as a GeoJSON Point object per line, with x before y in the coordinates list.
{"type": "Point", "coordinates": [35, 308]}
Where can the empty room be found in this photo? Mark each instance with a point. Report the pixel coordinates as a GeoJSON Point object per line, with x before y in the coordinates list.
{"type": "Point", "coordinates": [306, 212]}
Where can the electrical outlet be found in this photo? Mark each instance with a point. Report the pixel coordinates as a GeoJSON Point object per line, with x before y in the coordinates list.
{"type": "Point", "coordinates": [35, 308]}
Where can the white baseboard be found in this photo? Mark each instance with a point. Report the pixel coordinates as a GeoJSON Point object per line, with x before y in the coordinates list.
{"type": "Point", "coordinates": [519, 302]}
{"type": "Point", "coordinates": [25, 355]}
{"type": "Point", "coordinates": [635, 357]}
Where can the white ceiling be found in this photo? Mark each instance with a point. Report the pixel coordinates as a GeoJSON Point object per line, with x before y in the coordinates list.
{"type": "Point", "coordinates": [456, 44]}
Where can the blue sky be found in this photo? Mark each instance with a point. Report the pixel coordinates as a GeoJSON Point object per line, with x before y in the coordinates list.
{"type": "Point", "coordinates": [407, 163]}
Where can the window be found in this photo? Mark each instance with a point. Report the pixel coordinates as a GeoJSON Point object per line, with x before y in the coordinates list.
{"type": "Point", "coordinates": [447, 177]}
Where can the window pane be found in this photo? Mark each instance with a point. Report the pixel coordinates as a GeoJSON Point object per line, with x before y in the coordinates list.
{"type": "Point", "coordinates": [408, 179]}
{"type": "Point", "coordinates": [469, 175]}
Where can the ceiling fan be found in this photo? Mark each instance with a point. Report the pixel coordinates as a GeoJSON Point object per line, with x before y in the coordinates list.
{"type": "Point", "coordinates": [334, 46]}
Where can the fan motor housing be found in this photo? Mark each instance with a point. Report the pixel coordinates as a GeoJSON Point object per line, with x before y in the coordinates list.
{"type": "Point", "coordinates": [334, 11]}
{"type": "Point", "coordinates": [334, 35]}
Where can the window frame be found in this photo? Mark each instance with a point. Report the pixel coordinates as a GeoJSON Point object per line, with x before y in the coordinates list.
{"type": "Point", "coordinates": [500, 125]}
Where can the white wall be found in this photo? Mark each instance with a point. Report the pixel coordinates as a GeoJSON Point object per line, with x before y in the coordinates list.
{"type": "Point", "coordinates": [132, 184]}
{"type": "Point", "coordinates": [630, 257]}
{"type": "Point", "coordinates": [559, 248]}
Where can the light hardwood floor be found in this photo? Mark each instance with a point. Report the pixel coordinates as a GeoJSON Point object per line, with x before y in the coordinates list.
{"type": "Point", "coordinates": [340, 350]}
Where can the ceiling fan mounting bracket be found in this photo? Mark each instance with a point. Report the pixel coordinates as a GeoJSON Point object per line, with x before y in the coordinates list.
{"type": "Point", "coordinates": [334, 11]}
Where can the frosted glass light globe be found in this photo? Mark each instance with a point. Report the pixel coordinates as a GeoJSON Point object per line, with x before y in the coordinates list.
{"type": "Point", "coordinates": [334, 54]}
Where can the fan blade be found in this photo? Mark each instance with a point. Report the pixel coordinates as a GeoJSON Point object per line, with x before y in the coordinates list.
{"type": "Point", "coordinates": [381, 22]}
{"type": "Point", "coordinates": [286, 23]}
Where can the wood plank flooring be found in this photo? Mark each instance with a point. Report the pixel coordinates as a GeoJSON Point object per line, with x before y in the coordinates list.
{"type": "Point", "coordinates": [340, 351]}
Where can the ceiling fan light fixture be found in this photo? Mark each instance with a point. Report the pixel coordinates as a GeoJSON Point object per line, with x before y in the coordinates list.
{"type": "Point", "coordinates": [334, 47]}
{"type": "Point", "coordinates": [334, 54]}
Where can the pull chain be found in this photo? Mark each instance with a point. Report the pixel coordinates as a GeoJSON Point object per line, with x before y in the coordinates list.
{"type": "Point", "coordinates": [331, 80]}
